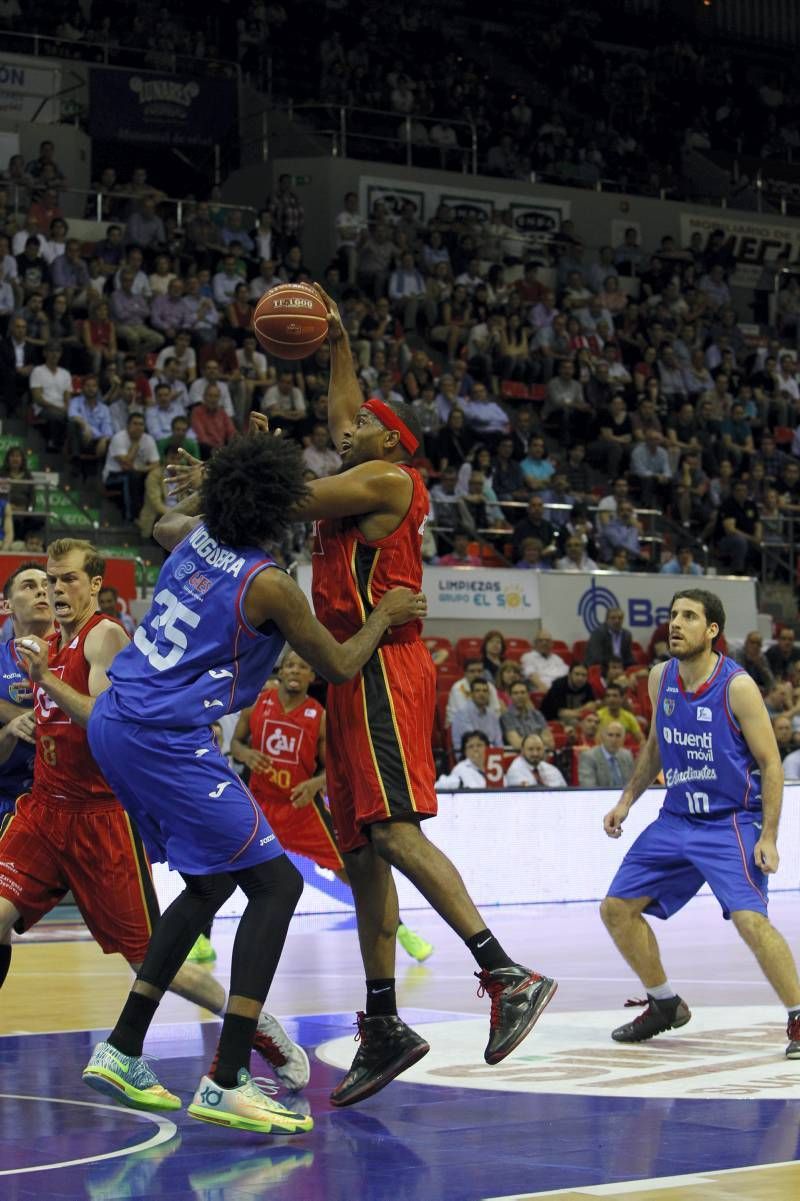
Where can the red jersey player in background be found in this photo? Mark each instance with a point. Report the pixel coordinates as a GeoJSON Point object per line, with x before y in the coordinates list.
{"type": "Point", "coordinates": [70, 832]}
{"type": "Point", "coordinates": [281, 739]}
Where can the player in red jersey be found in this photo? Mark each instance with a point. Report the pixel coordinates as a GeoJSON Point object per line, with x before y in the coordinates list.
{"type": "Point", "coordinates": [281, 739]}
{"type": "Point", "coordinates": [70, 832]}
{"type": "Point", "coordinates": [369, 522]}
{"type": "Point", "coordinates": [380, 773]}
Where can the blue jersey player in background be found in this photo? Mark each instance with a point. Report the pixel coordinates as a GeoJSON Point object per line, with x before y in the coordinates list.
{"type": "Point", "coordinates": [712, 736]}
{"type": "Point", "coordinates": [25, 593]}
{"type": "Point", "coordinates": [220, 614]}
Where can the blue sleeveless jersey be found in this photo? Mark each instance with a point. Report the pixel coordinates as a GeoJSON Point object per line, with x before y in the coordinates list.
{"type": "Point", "coordinates": [16, 774]}
{"type": "Point", "coordinates": [195, 657]}
{"type": "Point", "coordinates": [708, 767]}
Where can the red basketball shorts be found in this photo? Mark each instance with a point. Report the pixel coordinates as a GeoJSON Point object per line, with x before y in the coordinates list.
{"type": "Point", "coordinates": [307, 831]}
{"type": "Point", "coordinates": [47, 850]}
{"type": "Point", "coordinates": [379, 758]}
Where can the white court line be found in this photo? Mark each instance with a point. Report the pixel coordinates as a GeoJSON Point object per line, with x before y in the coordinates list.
{"type": "Point", "coordinates": [166, 1130]}
{"type": "Point", "coordinates": [651, 1185]}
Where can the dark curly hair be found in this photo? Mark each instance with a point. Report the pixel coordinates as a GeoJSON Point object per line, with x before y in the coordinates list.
{"type": "Point", "coordinates": [250, 488]}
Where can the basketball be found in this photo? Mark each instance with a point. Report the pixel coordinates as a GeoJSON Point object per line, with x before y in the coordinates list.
{"type": "Point", "coordinates": [290, 321]}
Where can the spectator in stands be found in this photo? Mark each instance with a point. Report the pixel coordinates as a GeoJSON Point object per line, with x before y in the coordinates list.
{"type": "Point", "coordinates": [180, 438]}
{"type": "Point", "coordinates": [493, 650]}
{"type": "Point", "coordinates": [211, 375]}
{"type": "Point", "coordinates": [450, 510]}
{"type": "Point", "coordinates": [537, 467]}
{"type": "Point", "coordinates": [108, 602]}
{"type": "Point", "coordinates": [629, 257]}
{"type": "Point", "coordinates": [791, 766]}
{"type": "Point", "coordinates": [406, 292]}
{"type": "Point", "coordinates": [650, 464]}
{"type": "Point", "coordinates": [157, 499]}
{"type": "Point", "coordinates": [530, 556]}
{"type": "Point", "coordinates": [461, 691]}
{"type": "Point", "coordinates": [609, 765]}
{"type": "Point", "coordinates": [739, 531]}
{"type": "Point", "coordinates": [565, 407]}
{"type": "Point", "coordinates": [70, 276]}
{"type": "Point", "coordinates": [681, 563]}
{"type": "Point", "coordinates": [610, 639]}
{"type": "Point", "coordinates": [211, 425]}
{"type": "Point", "coordinates": [17, 360]}
{"type": "Point", "coordinates": [319, 456]}
{"type": "Point", "coordinates": [288, 215]}
{"type": "Point", "coordinates": [750, 657]}
{"type": "Point", "coordinates": [470, 771]}
{"type": "Point", "coordinates": [131, 313]}
{"type": "Point", "coordinates": [621, 531]}
{"type": "Point", "coordinates": [575, 557]}
{"type": "Point", "coordinates": [183, 354]}
{"type": "Point", "coordinates": [90, 429]}
{"type": "Point", "coordinates": [145, 228]}
{"type": "Point", "coordinates": [33, 273]}
{"type": "Point", "coordinates": [484, 415]}
{"type": "Point", "coordinates": [784, 734]}
{"type": "Point", "coordinates": [168, 311]}
{"type": "Point", "coordinates": [614, 709]}
{"type": "Point", "coordinates": [51, 389]}
{"type": "Point", "coordinates": [202, 315]}
{"type": "Point", "coordinates": [508, 480]}
{"type": "Point", "coordinates": [160, 416]}
{"type": "Point", "coordinates": [131, 453]}
{"type": "Point", "coordinates": [99, 336]}
{"type": "Point", "coordinates": [226, 280]}
{"type": "Point", "coordinates": [284, 401]}
{"type": "Point", "coordinates": [460, 555]}
{"type": "Point", "coordinates": [542, 666]}
{"type": "Point", "coordinates": [521, 717]}
{"type": "Point", "coordinates": [568, 695]}
{"type": "Point", "coordinates": [530, 769]}
{"type": "Point", "coordinates": [783, 654]}
{"type": "Point", "coordinates": [476, 714]}
{"type": "Point", "coordinates": [535, 525]}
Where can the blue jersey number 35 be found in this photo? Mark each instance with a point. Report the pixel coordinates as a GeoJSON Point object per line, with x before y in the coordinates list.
{"type": "Point", "coordinates": [173, 614]}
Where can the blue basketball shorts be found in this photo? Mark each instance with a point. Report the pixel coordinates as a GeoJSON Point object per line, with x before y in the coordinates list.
{"type": "Point", "coordinates": [672, 859]}
{"type": "Point", "coordinates": [188, 804]}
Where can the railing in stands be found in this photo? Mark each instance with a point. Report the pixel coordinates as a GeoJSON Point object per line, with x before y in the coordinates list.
{"type": "Point", "coordinates": [96, 202]}
{"type": "Point", "coordinates": [107, 54]}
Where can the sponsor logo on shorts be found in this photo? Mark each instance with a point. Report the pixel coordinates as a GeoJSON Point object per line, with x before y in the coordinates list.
{"type": "Point", "coordinates": [263, 841]}
{"type": "Point", "coordinates": [217, 792]}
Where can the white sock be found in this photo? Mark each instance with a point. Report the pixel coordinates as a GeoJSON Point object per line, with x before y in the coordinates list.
{"type": "Point", "coordinates": [662, 992]}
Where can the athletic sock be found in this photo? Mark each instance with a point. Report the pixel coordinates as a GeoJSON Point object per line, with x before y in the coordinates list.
{"type": "Point", "coordinates": [663, 992]}
{"type": "Point", "coordinates": [487, 952]}
{"type": "Point", "coordinates": [235, 1044]}
{"type": "Point", "coordinates": [381, 998]}
{"type": "Point", "coordinates": [129, 1033]}
{"type": "Point", "coordinates": [5, 962]}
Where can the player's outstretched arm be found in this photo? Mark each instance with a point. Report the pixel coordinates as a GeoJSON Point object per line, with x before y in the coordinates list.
{"type": "Point", "coordinates": [240, 744]}
{"type": "Point", "coordinates": [646, 768]}
{"type": "Point", "coordinates": [747, 706]}
{"type": "Point", "coordinates": [345, 397]}
{"type": "Point", "coordinates": [273, 596]}
{"type": "Point", "coordinates": [367, 488]}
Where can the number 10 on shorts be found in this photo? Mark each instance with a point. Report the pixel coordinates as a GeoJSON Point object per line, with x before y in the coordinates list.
{"type": "Point", "coordinates": [698, 802]}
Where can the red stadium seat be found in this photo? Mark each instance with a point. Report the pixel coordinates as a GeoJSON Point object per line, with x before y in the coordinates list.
{"type": "Point", "coordinates": [639, 654]}
{"type": "Point", "coordinates": [563, 651]}
{"type": "Point", "coordinates": [579, 649]}
{"type": "Point", "coordinates": [438, 644]}
{"type": "Point", "coordinates": [441, 709]}
{"type": "Point", "coordinates": [469, 648]}
{"type": "Point", "coordinates": [517, 647]}
{"type": "Point", "coordinates": [783, 435]}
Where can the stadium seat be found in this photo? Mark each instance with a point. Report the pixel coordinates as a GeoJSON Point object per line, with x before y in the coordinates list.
{"type": "Point", "coordinates": [517, 647]}
{"type": "Point", "coordinates": [579, 649]}
{"type": "Point", "coordinates": [563, 651]}
{"type": "Point", "coordinates": [438, 644]}
{"type": "Point", "coordinates": [469, 648]}
{"type": "Point", "coordinates": [783, 435]}
{"type": "Point", "coordinates": [639, 654]}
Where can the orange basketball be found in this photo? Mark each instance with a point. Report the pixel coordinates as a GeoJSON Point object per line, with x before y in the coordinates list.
{"type": "Point", "coordinates": [290, 321]}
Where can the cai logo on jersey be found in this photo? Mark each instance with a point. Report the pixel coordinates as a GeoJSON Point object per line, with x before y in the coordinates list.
{"type": "Point", "coordinates": [281, 740]}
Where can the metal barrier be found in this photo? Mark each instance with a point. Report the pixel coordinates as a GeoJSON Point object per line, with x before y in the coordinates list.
{"type": "Point", "coordinates": [19, 196]}
{"type": "Point", "coordinates": [46, 483]}
{"type": "Point", "coordinates": [40, 45]}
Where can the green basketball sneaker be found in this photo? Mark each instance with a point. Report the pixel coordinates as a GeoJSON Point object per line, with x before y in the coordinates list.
{"type": "Point", "coordinates": [414, 944]}
{"type": "Point", "coordinates": [249, 1106]}
{"type": "Point", "coordinates": [128, 1079]}
{"type": "Point", "coordinates": [202, 951]}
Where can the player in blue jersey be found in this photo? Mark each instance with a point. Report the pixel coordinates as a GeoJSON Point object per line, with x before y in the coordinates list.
{"type": "Point", "coordinates": [218, 621]}
{"type": "Point", "coordinates": [712, 736]}
{"type": "Point", "coordinates": [25, 593]}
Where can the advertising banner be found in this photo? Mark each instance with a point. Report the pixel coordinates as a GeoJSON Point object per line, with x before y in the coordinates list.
{"type": "Point", "coordinates": [26, 86]}
{"type": "Point", "coordinates": [127, 106]}
{"type": "Point", "coordinates": [754, 240]}
{"type": "Point", "coordinates": [573, 605]}
{"type": "Point", "coordinates": [530, 215]}
{"type": "Point", "coordinates": [509, 847]}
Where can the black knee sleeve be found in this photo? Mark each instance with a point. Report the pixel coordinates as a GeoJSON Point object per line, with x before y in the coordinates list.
{"type": "Point", "coordinates": [177, 929]}
{"type": "Point", "coordinates": [272, 890]}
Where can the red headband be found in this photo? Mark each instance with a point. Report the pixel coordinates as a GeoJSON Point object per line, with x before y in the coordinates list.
{"type": "Point", "coordinates": [389, 418]}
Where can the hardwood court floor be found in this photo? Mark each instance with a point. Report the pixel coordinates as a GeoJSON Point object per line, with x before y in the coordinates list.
{"type": "Point", "coordinates": [708, 1113]}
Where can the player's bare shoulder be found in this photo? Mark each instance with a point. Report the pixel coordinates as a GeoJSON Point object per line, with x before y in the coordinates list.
{"type": "Point", "coordinates": [654, 680]}
{"type": "Point", "coordinates": [744, 695]}
{"type": "Point", "coordinates": [103, 642]}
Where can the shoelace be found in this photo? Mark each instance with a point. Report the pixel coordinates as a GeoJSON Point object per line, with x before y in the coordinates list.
{"type": "Point", "coordinates": [361, 1027]}
{"type": "Point", "coordinates": [263, 1085]}
{"type": "Point", "coordinates": [494, 988]}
